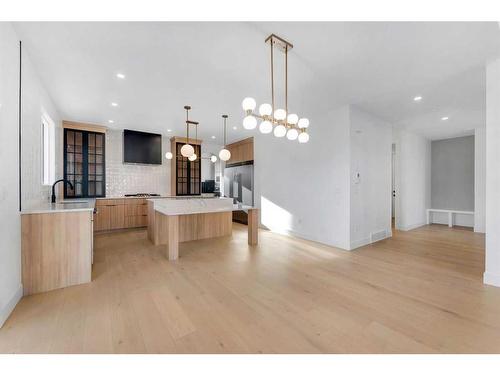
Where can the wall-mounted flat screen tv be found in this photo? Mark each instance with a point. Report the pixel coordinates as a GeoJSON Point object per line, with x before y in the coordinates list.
{"type": "Point", "coordinates": [141, 148]}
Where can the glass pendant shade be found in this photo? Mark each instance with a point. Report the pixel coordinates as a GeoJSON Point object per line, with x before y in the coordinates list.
{"type": "Point", "coordinates": [213, 158]}
{"type": "Point", "coordinates": [249, 122]}
{"type": "Point", "coordinates": [248, 104]}
{"type": "Point", "coordinates": [265, 127]}
{"type": "Point", "coordinates": [169, 155]}
{"type": "Point", "coordinates": [303, 123]}
{"type": "Point", "coordinates": [279, 131]}
{"type": "Point", "coordinates": [192, 157]}
{"type": "Point", "coordinates": [280, 114]}
{"type": "Point", "coordinates": [303, 138]}
{"type": "Point", "coordinates": [265, 109]}
{"type": "Point", "coordinates": [187, 150]}
{"type": "Point", "coordinates": [292, 119]}
{"type": "Point", "coordinates": [292, 134]}
{"type": "Point", "coordinates": [224, 154]}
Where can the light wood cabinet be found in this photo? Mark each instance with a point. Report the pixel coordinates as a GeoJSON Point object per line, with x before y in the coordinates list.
{"type": "Point", "coordinates": [117, 216]}
{"type": "Point", "coordinates": [102, 218]}
{"type": "Point", "coordinates": [56, 250]}
{"type": "Point", "coordinates": [241, 151]}
{"type": "Point", "coordinates": [122, 213]}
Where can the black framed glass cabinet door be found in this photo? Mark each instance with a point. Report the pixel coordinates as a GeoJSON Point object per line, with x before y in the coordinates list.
{"type": "Point", "coordinates": [84, 164]}
{"type": "Point", "coordinates": [188, 173]}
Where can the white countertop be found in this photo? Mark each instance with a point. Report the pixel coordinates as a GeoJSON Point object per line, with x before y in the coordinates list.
{"type": "Point", "coordinates": [192, 206]}
{"type": "Point", "coordinates": [67, 205]}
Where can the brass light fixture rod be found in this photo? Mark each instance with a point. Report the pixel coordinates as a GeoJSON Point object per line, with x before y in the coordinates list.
{"type": "Point", "coordinates": [187, 108]}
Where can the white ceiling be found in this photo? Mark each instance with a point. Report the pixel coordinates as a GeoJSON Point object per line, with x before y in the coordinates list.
{"type": "Point", "coordinates": [377, 66]}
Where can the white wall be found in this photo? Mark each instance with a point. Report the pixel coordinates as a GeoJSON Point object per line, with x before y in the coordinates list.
{"type": "Point", "coordinates": [480, 180]}
{"type": "Point", "coordinates": [10, 223]}
{"type": "Point", "coordinates": [309, 190]}
{"type": "Point", "coordinates": [492, 271]}
{"type": "Point", "coordinates": [413, 179]}
{"type": "Point", "coordinates": [35, 101]}
{"type": "Point", "coordinates": [303, 189]}
{"type": "Point", "coordinates": [371, 152]}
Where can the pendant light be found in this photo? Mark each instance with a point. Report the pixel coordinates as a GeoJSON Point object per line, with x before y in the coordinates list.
{"type": "Point", "coordinates": [283, 122]}
{"type": "Point", "coordinates": [224, 154]}
{"type": "Point", "coordinates": [187, 150]}
{"type": "Point", "coordinates": [169, 155]}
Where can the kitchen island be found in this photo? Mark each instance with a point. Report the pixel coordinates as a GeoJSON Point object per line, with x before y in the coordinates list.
{"type": "Point", "coordinates": [174, 220]}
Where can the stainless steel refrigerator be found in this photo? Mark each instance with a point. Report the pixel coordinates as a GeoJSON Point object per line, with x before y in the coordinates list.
{"type": "Point", "coordinates": [238, 184]}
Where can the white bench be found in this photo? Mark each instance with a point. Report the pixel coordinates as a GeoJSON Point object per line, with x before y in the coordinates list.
{"type": "Point", "coordinates": [451, 214]}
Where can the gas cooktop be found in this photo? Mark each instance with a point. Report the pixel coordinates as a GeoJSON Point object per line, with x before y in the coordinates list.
{"type": "Point", "coordinates": [143, 195]}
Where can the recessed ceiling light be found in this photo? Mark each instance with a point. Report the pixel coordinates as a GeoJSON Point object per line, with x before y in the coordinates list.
{"type": "Point", "coordinates": [110, 121]}
{"type": "Point", "coordinates": [120, 75]}
{"type": "Point", "coordinates": [444, 118]}
{"type": "Point", "coordinates": [113, 104]}
{"type": "Point", "coordinates": [417, 98]}
{"type": "Point", "coordinates": [169, 130]}
{"type": "Point", "coordinates": [235, 128]}
{"type": "Point", "coordinates": [213, 136]}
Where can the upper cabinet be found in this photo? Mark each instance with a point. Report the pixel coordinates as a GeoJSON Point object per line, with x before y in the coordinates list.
{"type": "Point", "coordinates": [84, 163]}
{"type": "Point", "coordinates": [241, 151]}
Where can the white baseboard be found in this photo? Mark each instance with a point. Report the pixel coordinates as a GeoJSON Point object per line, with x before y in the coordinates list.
{"type": "Point", "coordinates": [479, 229]}
{"type": "Point", "coordinates": [412, 226]}
{"type": "Point", "coordinates": [491, 279]}
{"type": "Point", "coordinates": [359, 243]}
{"type": "Point", "coordinates": [9, 306]}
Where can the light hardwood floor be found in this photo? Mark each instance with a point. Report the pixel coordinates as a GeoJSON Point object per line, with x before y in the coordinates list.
{"type": "Point", "coordinates": [418, 292]}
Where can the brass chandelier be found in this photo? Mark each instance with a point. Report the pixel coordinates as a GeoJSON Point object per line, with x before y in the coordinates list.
{"type": "Point", "coordinates": [278, 121]}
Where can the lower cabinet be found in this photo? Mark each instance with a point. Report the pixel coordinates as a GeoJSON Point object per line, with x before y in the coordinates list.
{"type": "Point", "coordinates": [120, 214]}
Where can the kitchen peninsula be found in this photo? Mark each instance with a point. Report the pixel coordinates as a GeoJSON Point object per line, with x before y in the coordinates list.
{"type": "Point", "coordinates": [174, 220]}
{"type": "Point", "coordinates": [56, 244]}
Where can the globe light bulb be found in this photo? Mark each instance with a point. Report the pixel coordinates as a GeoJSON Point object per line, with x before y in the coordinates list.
{"type": "Point", "coordinates": [248, 104]}
{"type": "Point", "coordinates": [265, 127]}
{"type": "Point", "coordinates": [249, 122]}
{"type": "Point", "coordinates": [224, 155]}
{"type": "Point", "coordinates": [187, 150]}
{"type": "Point", "coordinates": [279, 131]}
{"type": "Point", "coordinates": [280, 114]}
{"type": "Point", "coordinates": [192, 157]}
{"type": "Point", "coordinates": [303, 138]}
{"type": "Point", "coordinates": [169, 155]}
{"type": "Point", "coordinates": [265, 109]}
{"type": "Point", "coordinates": [292, 134]}
{"type": "Point", "coordinates": [292, 119]}
{"type": "Point", "coordinates": [303, 123]}
{"type": "Point", "coordinates": [213, 158]}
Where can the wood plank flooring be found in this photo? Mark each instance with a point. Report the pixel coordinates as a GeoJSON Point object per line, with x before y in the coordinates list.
{"type": "Point", "coordinates": [418, 292]}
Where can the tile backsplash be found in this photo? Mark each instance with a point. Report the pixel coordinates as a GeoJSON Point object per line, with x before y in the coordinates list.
{"type": "Point", "coordinates": [124, 179]}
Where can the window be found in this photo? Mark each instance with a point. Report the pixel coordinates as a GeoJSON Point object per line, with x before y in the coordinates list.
{"type": "Point", "coordinates": [48, 150]}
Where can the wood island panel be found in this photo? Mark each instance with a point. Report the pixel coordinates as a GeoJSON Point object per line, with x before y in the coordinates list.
{"type": "Point", "coordinates": [192, 227]}
{"type": "Point", "coordinates": [56, 250]}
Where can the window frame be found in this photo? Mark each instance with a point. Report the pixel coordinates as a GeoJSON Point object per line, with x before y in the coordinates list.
{"type": "Point", "coordinates": [48, 150]}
